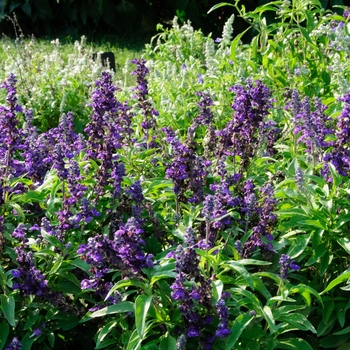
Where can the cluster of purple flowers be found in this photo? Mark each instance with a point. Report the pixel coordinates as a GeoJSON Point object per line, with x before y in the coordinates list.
{"type": "Point", "coordinates": [123, 253]}
{"type": "Point", "coordinates": [240, 137]}
{"type": "Point", "coordinates": [14, 345]}
{"type": "Point", "coordinates": [109, 122]}
{"type": "Point", "coordinates": [286, 265]}
{"type": "Point", "coordinates": [223, 196]}
{"type": "Point", "coordinates": [34, 151]}
{"type": "Point", "coordinates": [257, 215]}
{"type": "Point", "coordinates": [144, 103]}
{"type": "Point", "coordinates": [27, 279]}
{"type": "Point", "coordinates": [11, 139]}
{"type": "Point", "coordinates": [205, 117]}
{"type": "Point", "coordinates": [310, 127]}
{"type": "Point", "coordinates": [193, 292]}
{"type": "Point", "coordinates": [314, 129]}
{"type": "Point", "coordinates": [187, 169]}
{"type": "Point", "coordinates": [339, 155]}
{"type": "Point", "coordinates": [223, 312]}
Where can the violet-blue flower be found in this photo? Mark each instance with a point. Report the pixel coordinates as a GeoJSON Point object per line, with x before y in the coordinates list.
{"type": "Point", "coordinates": [14, 345]}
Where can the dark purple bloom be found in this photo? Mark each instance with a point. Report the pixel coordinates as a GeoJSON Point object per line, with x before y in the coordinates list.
{"type": "Point", "coordinates": [135, 192]}
{"type": "Point", "coordinates": [144, 103]}
{"type": "Point", "coordinates": [208, 207]}
{"type": "Point", "coordinates": [286, 264]}
{"type": "Point", "coordinates": [27, 279]}
{"type": "Point", "coordinates": [103, 119]}
{"type": "Point", "coordinates": [241, 135]}
{"type": "Point", "coordinates": [260, 217]}
{"type": "Point", "coordinates": [223, 331]}
{"type": "Point", "coordinates": [339, 153]}
{"type": "Point", "coordinates": [11, 143]}
{"type": "Point", "coordinates": [294, 266]}
{"type": "Point", "coordinates": [205, 115]}
{"type": "Point", "coordinates": [193, 332]}
{"type": "Point", "coordinates": [14, 345]}
{"type": "Point", "coordinates": [37, 332]}
{"type": "Point", "coordinates": [47, 227]}
{"type": "Point", "coordinates": [194, 300]}
{"type": "Point", "coordinates": [128, 244]}
{"type": "Point", "coordinates": [299, 178]}
{"type": "Point", "coordinates": [123, 253]}
{"type": "Point", "coordinates": [20, 233]}
{"type": "Point", "coordinates": [186, 169]}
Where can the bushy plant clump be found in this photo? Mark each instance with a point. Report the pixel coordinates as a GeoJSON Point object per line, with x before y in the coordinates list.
{"type": "Point", "coordinates": [205, 208]}
{"type": "Point", "coordinates": [55, 78]}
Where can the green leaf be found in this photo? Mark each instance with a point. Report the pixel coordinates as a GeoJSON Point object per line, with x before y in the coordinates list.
{"type": "Point", "coordinates": [327, 311]}
{"type": "Point", "coordinates": [68, 322]}
{"type": "Point", "coordinates": [240, 323]}
{"type": "Point", "coordinates": [168, 343]}
{"type": "Point", "coordinates": [104, 332]}
{"type": "Point", "coordinates": [18, 209]}
{"type": "Point", "coordinates": [126, 283]}
{"type": "Point", "coordinates": [51, 239]}
{"type": "Point", "coordinates": [142, 305]}
{"type": "Point", "coordinates": [32, 317]}
{"type": "Point", "coordinates": [124, 306]}
{"type": "Point", "coordinates": [218, 287]}
{"type": "Point", "coordinates": [343, 331]}
{"type": "Point", "coordinates": [337, 178]}
{"type": "Point", "coordinates": [298, 245]}
{"type": "Point", "coordinates": [28, 341]}
{"type": "Point", "coordinates": [332, 341]}
{"type": "Point", "coordinates": [106, 343]}
{"type": "Point", "coordinates": [221, 4]}
{"type": "Point", "coordinates": [260, 287]}
{"type": "Point", "coordinates": [341, 278]}
{"type": "Point", "coordinates": [344, 242]}
{"type": "Point", "coordinates": [235, 43]}
{"type": "Point", "coordinates": [250, 296]}
{"type": "Point", "coordinates": [314, 223]}
{"type": "Point", "coordinates": [270, 275]}
{"type": "Point", "coordinates": [242, 271]}
{"type": "Point", "coordinates": [303, 289]}
{"type": "Point", "coordinates": [164, 271]}
{"type": "Point", "coordinates": [307, 37]}
{"type": "Point", "coordinates": [254, 262]}
{"type": "Point", "coordinates": [8, 308]}
{"type": "Point", "coordinates": [341, 313]}
{"type": "Point", "coordinates": [299, 321]}
{"type": "Point", "coordinates": [81, 264]}
{"type": "Point", "coordinates": [325, 262]}
{"type": "Point", "coordinates": [4, 332]}
{"type": "Point", "coordinates": [317, 253]}
{"type": "Point", "coordinates": [134, 341]}
{"type": "Point", "coordinates": [267, 313]}
{"type": "Point", "coordinates": [325, 328]}
{"type": "Point", "coordinates": [294, 344]}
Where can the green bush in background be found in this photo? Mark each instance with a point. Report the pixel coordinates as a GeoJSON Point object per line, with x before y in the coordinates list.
{"type": "Point", "coordinates": [133, 18]}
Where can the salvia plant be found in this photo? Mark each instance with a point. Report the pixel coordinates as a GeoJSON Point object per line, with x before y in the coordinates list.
{"type": "Point", "coordinates": [205, 207]}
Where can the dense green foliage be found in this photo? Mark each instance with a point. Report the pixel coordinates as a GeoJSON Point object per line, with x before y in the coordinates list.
{"type": "Point", "coordinates": [205, 203]}
{"type": "Point", "coordinates": [131, 18]}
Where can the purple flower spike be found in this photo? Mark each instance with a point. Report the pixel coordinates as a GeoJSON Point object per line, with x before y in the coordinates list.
{"type": "Point", "coordinates": [242, 134]}
{"type": "Point", "coordinates": [14, 345]}
{"type": "Point", "coordinates": [285, 265]}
